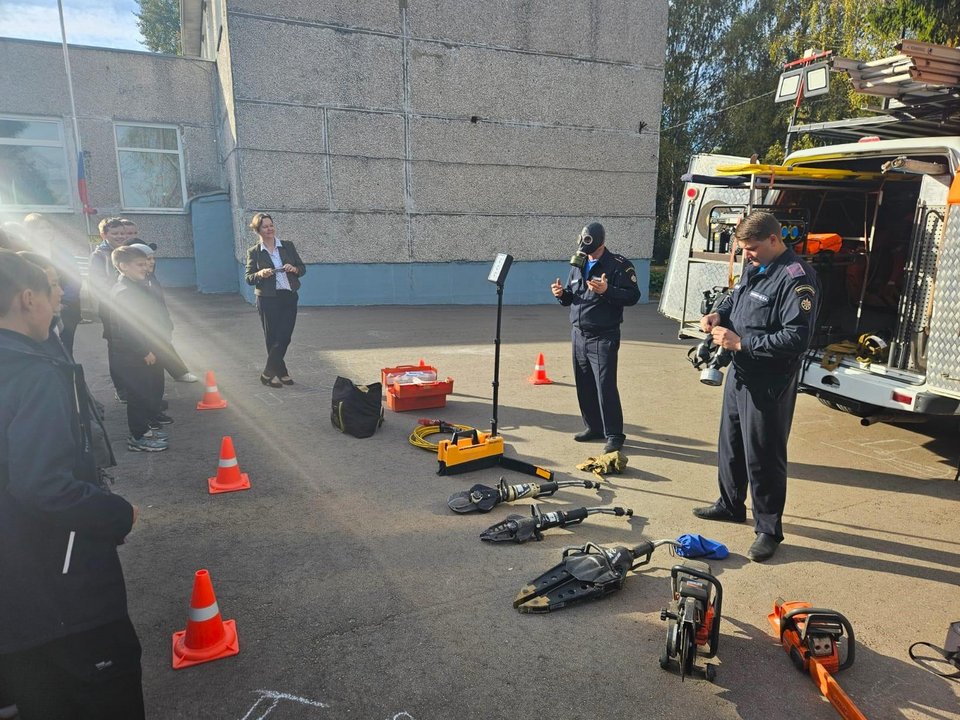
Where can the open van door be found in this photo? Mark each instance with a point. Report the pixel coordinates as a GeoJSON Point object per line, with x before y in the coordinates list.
{"type": "Point", "coordinates": [692, 270]}
{"type": "Point", "coordinates": [943, 346]}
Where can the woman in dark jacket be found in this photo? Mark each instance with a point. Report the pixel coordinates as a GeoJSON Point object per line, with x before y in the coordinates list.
{"type": "Point", "coordinates": [274, 269]}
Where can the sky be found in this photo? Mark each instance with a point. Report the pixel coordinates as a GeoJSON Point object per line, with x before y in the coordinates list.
{"type": "Point", "coordinates": [102, 23]}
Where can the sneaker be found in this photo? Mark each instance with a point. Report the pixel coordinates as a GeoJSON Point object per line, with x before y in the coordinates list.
{"type": "Point", "coordinates": [145, 444]}
{"type": "Point", "coordinates": [120, 398]}
{"type": "Point", "coordinates": [155, 434]}
{"type": "Point", "coordinates": [162, 419]}
{"type": "Point", "coordinates": [187, 378]}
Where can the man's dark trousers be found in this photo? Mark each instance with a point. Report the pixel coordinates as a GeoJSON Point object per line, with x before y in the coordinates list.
{"type": "Point", "coordinates": [278, 316]}
{"type": "Point", "coordinates": [595, 373]}
{"type": "Point", "coordinates": [754, 428]}
{"type": "Point", "coordinates": [92, 675]}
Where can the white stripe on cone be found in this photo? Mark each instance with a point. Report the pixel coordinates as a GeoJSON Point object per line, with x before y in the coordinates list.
{"type": "Point", "coordinates": [228, 462]}
{"type": "Point", "coordinates": [211, 389]}
{"type": "Point", "coordinates": [202, 614]}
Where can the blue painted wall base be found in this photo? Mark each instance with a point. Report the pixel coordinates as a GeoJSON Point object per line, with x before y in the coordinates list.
{"type": "Point", "coordinates": [177, 272]}
{"type": "Point", "coordinates": [455, 283]}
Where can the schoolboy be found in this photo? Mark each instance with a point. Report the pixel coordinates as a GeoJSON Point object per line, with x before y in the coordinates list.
{"type": "Point", "coordinates": [136, 328]}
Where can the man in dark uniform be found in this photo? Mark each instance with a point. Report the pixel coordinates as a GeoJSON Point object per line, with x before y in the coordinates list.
{"type": "Point", "coordinates": [600, 285]}
{"type": "Point", "coordinates": [767, 322]}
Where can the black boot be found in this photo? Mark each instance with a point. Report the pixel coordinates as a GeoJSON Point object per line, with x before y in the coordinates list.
{"type": "Point", "coordinates": [587, 436]}
{"type": "Point", "coordinates": [718, 512]}
{"type": "Point", "coordinates": [763, 548]}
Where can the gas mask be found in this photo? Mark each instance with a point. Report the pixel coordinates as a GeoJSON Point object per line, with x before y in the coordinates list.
{"type": "Point", "coordinates": [709, 359]}
{"type": "Point", "coordinates": [590, 238]}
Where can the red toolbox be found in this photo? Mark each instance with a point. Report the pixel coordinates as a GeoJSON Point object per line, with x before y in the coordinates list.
{"type": "Point", "coordinates": [419, 395]}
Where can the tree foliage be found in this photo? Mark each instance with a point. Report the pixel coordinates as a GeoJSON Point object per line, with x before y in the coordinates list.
{"type": "Point", "coordinates": [724, 58]}
{"type": "Point", "coordinates": [159, 23]}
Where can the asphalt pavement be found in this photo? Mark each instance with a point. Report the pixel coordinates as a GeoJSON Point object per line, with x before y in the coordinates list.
{"type": "Point", "coordinates": [358, 594]}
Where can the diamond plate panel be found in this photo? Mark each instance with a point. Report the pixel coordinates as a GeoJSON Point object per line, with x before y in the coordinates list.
{"type": "Point", "coordinates": [943, 349]}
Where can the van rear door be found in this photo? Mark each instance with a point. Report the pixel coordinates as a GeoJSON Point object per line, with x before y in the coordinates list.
{"type": "Point", "coordinates": [943, 347]}
{"type": "Point", "coordinates": [690, 271]}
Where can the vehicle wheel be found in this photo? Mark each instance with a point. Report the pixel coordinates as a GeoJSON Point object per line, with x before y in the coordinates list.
{"type": "Point", "coordinates": [711, 672]}
{"type": "Point", "coordinates": [664, 658]}
{"type": "Point", "coordinates": [862, 411]}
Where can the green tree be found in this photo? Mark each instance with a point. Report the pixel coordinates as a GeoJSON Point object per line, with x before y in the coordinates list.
{"type": "Point", "coordinates": [159, 23]}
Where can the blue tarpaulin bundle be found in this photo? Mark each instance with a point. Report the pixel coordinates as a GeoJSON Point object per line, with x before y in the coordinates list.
{"type": "Point", "coordinates": [692, 546]}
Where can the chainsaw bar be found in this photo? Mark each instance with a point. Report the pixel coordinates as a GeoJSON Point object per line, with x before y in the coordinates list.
{"type": "Point", "coordinates": [519, 529]}
{"type": "Point", "coordinates": [482, 498]}
{"type": "Point", "coordinates": [586, 572]}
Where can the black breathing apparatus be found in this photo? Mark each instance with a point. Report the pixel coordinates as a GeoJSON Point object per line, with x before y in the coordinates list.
{"type": "Point", "coordinates": [589, 240]}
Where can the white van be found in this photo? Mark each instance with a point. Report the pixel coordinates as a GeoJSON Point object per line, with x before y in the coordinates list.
{"type": "Point", "coordinates": [879, 220]}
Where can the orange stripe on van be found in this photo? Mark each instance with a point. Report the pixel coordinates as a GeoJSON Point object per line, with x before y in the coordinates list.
{"type": "Point", "coordinates": [953, 197]}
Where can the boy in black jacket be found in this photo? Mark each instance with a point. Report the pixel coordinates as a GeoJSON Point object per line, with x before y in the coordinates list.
{"type": "Point", "coordinates": [166, 353]}
{"type": "Point", "coordinates": [136, 326]}
{"type": "Point", "coordinates": [67, 646]}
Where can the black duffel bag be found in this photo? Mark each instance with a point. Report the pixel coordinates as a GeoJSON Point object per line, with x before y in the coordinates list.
{"type": "Point", "coordinates": [356, 409]}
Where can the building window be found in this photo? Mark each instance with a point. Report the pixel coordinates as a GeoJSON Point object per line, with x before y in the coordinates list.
{"type": "Point", "coordinates": [150, 160]}
{"type": "Point", "coordinates": [33, 165]}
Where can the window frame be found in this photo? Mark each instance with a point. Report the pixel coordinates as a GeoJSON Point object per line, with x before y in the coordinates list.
{"type": "Point", "coordinates": [178, 152]}
{"type": "Point", "coordinates": [70, 205]}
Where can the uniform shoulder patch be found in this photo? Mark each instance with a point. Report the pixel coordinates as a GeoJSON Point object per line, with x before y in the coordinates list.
{"type": "Point", "coordinates": [806, 290]}
{"type": "Point", "coordinates": [795, 270]}
{"type": "Point", "coordinates": [619, 258]}
{"type": "Point", "coordinates": [806, 304]}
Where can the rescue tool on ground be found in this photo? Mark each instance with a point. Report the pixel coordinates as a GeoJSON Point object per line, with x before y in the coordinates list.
{"type": "Point", "coordinates": [693, 618]}
{"type": "Point", "coordinates": [471, 449]}
{"type": "Point", "coordinates": [585, 572]}
{"type": "Point", "coordinates": [519, 529]}
{"type": "Point", "coordinates": [482, 498]}
{"type": "Point", "coordinates": [811, 636]}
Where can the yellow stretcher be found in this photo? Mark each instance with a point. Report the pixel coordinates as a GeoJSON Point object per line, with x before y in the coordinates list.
{"type": "Point", "coordinates": [802, 171]}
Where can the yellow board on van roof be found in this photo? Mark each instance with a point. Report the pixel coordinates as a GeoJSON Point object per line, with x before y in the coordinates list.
{"type": "Point", "coordinates": [802, 171]}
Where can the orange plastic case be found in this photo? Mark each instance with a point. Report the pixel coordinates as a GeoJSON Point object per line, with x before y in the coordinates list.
{"type": "Point", "coordinates": [420, 396]}
{"type": "Point", "coordinates": [401, 398]}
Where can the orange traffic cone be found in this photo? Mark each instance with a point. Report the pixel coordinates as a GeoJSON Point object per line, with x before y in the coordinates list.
{"type": "Point", "coordinates": [539, 376]}
{"type": "Point", "coordinates": [229, 477]}
{"type": "Point", "coordinates": [211, 396]}
{"type": "Point", "coordinates": [207, 637]}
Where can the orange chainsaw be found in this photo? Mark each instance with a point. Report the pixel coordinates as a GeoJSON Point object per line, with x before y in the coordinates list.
{"type": "Point", "coordinates": [811, 636]}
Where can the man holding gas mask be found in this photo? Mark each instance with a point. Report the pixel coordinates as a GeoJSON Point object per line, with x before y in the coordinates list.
{"type": "Point", "coordinates": [601, 283]}
{"type": "Point", "coordinates": [767, 322]}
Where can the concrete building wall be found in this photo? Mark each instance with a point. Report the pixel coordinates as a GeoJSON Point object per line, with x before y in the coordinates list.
{"type": "Point", "coordinates": [115, 86]}
{"type": "Point", "coordinates": [401, 145]}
